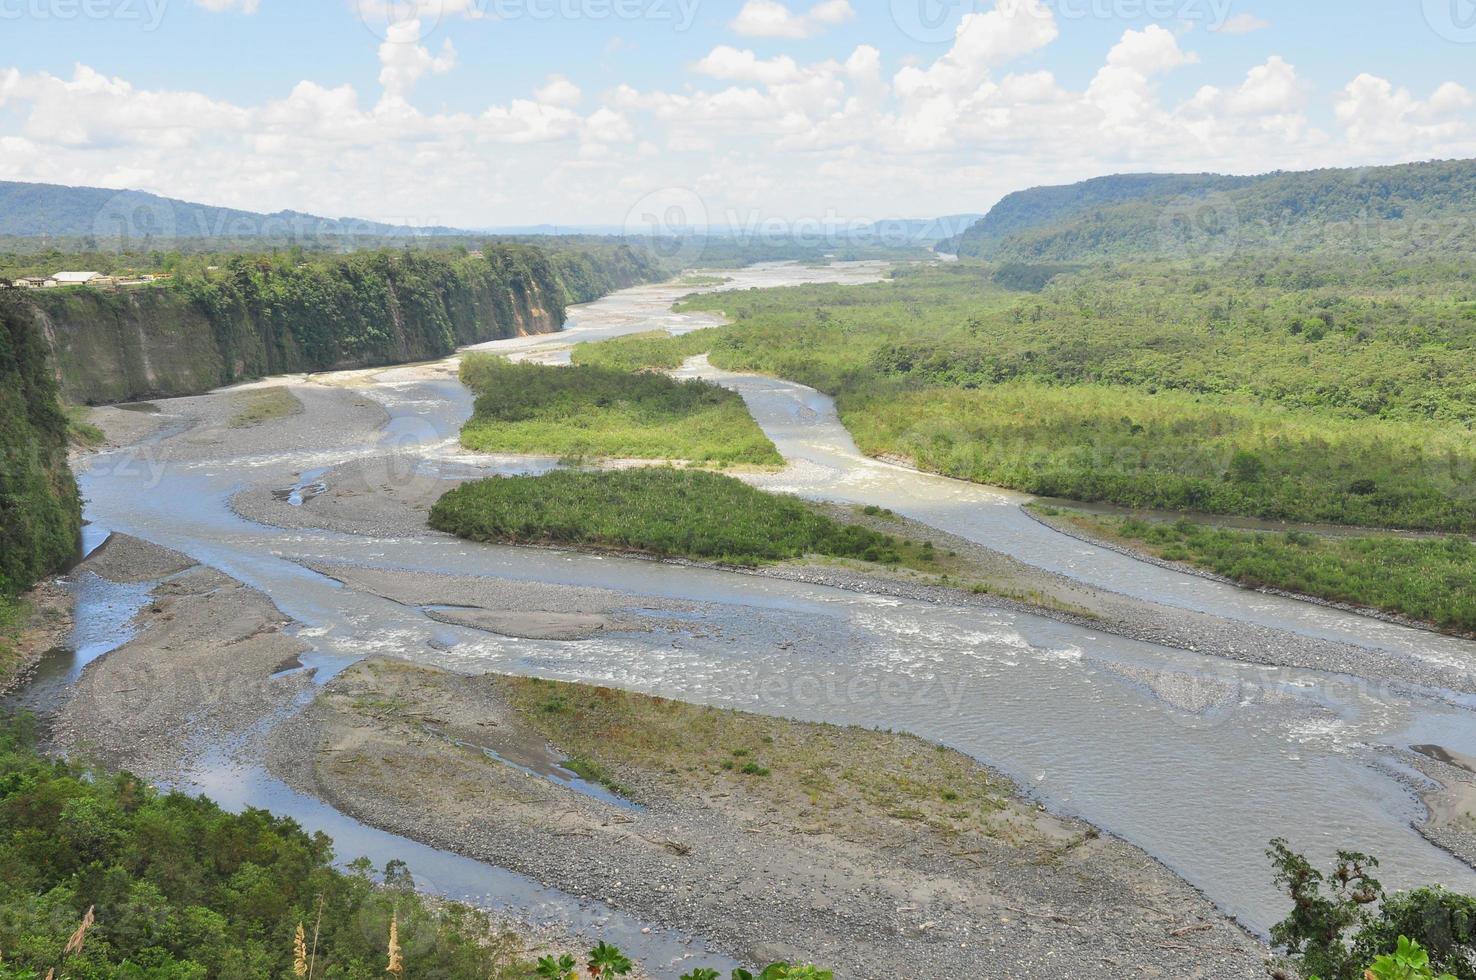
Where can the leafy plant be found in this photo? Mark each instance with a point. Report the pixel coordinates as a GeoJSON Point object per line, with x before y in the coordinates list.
{"type": "Point", "coordinates": [1342, 922]}
{"type": "Point", "coordinates": [1409, 962]}
{"type": "Point", "coordinates": [607, 961]}
{"type": "Point", "coordinates": [563, 968]}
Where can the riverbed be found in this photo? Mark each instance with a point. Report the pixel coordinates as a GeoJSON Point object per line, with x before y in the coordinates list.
{"type": "Point", "coordinates": [1199, 760]}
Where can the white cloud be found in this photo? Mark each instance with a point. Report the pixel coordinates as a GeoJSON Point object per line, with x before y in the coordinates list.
{"type": "Point", "coordinates": [983, 42]}
{"type": "Point", "coordinates": [558, 90]}
{"type": "Point", "coordinates": [1376, 114]}
{"type": "Point", "coordinates": [403, 61]}
{"type": "Point", "coordinates": [770, 18]}
{"type": "Point", "coordinates": [862, 134]}
{"type": "Point", "coordinates": [1242, 24]}
{"type": "Point", "coordinates": [733, 65]}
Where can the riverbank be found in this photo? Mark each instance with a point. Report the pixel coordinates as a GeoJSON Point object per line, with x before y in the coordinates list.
{"type": "Point", "coordinates": [30, 627]}
{"type": "Point", "coordinates": [877, 854]}
{"type": "Point", "coordinates": [1179, 550]}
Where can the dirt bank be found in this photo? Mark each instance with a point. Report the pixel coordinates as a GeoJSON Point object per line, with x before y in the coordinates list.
{"type": "Point", "coordinates": [878, 854]}
{"type": "Point", "coordinates": [40, 622]}
{"type": "Point", "coordinates": [200, 670]}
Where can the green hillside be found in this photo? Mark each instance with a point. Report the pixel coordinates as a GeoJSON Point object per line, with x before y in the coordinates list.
{"type": "Point", "coordinates": [1192, 215]}
{"type": "Point", "coordinates": [40, 514]}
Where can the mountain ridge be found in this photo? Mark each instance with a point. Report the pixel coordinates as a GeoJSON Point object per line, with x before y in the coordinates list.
{"type": "Point", "coordinates": [1196, 214]}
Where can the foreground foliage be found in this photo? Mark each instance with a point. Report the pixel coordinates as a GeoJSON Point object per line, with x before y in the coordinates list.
{"type": "Point", "coordinates": [1342, 922]}
{"type": "Point", "coordinates": [175, 887]}
{"type": "Point", "coordinates": [603, 413]}
{"type": "Point", "coordinates": [659, 510]}
{"type": "Point", "coordinates": [1422, 579]}
{"type": "Point", "coordinates": [1304, 388]}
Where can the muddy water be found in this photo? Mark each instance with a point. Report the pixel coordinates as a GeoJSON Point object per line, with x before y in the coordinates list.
{"type": "Point", "coordinates": [1198, 761]}
{"type": "Point", "coordinates": [805, 426]}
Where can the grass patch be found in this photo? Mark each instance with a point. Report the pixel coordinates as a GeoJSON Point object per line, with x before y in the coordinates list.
{"type": "Point", "coordinates": [80, 431]}
{"type": "Point", "coordinates": [660, 511]}
{"type": "Point", "coordinates": [823, 776]}
{"type": "Point", "coordinates": [655, 350]}
{"type": "Point", "coordinates": [595, 772]}
{"type": "Point", "coordinates": [13, 618]}
{"type": "Point", "coordinates": [698, 279]}
{"type": "Point", "coordinates": [264, 405]}
{"type": "Point", "coordinates": [603, 413]}
{"type": "Point", "coordinates": [1427, 580]}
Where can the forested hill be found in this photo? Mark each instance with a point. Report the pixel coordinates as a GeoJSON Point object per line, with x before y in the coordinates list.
{"type": "Point", "coordinates": [40, 513]}
{"type": "Point", "coordinates": [33, 210]}
{"type": "Point", "coordinates": [261, 314]}
{"type": "Point", "coordinates": [1400, 207]}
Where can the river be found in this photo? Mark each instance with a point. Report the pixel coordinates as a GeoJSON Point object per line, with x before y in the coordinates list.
{"type": "Point", "coordinates": [1200, 761]}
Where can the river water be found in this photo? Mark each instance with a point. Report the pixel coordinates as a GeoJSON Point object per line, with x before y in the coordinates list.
{"type": "Point", "coordinates": [1199, 761]}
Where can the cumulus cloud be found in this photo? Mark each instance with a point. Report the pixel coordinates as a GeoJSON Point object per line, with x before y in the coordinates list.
{"type": "Point", "coordinates": [770, 18]}
{"type": "Point", "coordinates": [861, 133]}
{"type": "Point", "coordinates": [1377, 114]}
{"type": "Point", "coordinates": [403, 61]}
{"type": "Point", "coordinates": [558, 90]}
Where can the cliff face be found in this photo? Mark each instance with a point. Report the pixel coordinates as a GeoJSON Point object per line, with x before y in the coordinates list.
{"type": "Point", "coordinates": [40, 513]}
{"type": "Point", "coordinates": [266, 315]}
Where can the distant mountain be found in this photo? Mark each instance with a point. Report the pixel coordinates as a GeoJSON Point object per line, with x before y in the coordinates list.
{"type": "Point", "coordinates": [553, 231]}
{"type": "Point", "coordinates": [1197, 214]}
{"type": "Point", "coordinates": [919, 231]}
{"type": "Point", "coordinates": [33, 210]}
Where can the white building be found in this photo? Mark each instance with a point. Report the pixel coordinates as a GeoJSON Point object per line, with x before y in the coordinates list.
{"type": "Point", "coordinates": [73, 278]}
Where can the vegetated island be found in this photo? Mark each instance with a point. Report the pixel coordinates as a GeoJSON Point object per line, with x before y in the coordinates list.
{"type": "Point", "coordinates": [599, 413]}
{"type": "Point", "coordinates": [662, 511]}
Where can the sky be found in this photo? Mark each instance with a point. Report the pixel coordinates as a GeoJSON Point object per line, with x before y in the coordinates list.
{"type": "Point", "coordinates": [749, 114]}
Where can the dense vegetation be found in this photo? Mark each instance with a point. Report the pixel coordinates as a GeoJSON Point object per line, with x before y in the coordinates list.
{"type": "Point", "coordinates": [1413, 206]}
{"type": "Point", "coordinates": [660, 511]}
{"type": "Point", "coordinates": [1299, 388]}
{"type": "Point", "coordinates": [602, 413]}
{"type": "Point", "coordinates": [40, 512]}
{"type": "Point", "coordinates": [261, 314]}
{"type": "Point", "coordinates": [1421, 579]}
{"type": "Point", "coordinates": [1342, 922]}
{"type": "Point", "coordinates": [179, 889]}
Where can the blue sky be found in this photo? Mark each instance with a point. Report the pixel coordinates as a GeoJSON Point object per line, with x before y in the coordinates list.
{"type": "Point", "coordinates": [480, 112]}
